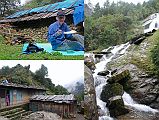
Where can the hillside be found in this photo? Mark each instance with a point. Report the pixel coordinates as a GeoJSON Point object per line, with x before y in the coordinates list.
{"type": "Point", "coordinates": [142, 63]}
{"type": "Point", "coordinates": [23, 75]}
{"type": "Point", "coordinates": [116, 23]}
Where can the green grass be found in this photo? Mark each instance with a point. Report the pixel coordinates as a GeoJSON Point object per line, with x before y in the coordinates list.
{"type": "Point", "coordinates": [8, 52]}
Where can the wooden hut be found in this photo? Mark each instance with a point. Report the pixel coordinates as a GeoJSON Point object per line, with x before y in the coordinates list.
{"type": "Point", "coordinates": [15, 94]}
{"type": "Point", "coordinates": [63, 105]}
{"type": "Point", "coordinates": [45, 15]}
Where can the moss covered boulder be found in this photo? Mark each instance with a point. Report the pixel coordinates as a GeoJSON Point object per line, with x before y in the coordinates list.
{"type": "Point", "coordinates": [111, 90]}
{"type": "Point", "coordinates": [112, 95]}
{"type": "Point", "coordinates": [116, 106]}
{"type": "Point", "coordinates": [120, 77]}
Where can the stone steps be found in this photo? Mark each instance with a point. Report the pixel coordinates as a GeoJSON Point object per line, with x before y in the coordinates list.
{"type": "Point", "coordinates": [15, 113]}
{"type": "Point", "coordinates": [10, 111]}
{"type": "Point", "coordinates": [19, 116]}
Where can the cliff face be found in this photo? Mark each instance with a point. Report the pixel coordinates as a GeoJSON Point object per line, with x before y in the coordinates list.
{"type": "Point", "coordinates": [143, 84]}
{"type": "Point", "coordinates": [90, 105]}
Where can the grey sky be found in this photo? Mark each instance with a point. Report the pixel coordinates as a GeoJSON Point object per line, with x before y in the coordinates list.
{"type": "Point", "coordinates": [61, 72]}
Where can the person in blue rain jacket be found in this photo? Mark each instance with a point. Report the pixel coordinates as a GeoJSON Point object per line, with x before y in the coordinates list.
{"type": "Point", "coordinates": [56, 35]}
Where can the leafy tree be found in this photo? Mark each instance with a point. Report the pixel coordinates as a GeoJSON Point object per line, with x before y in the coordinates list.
{"type": "Point", "coordinates": [116, 23]}
{"type": "Point", "coordinates": [8, 7]}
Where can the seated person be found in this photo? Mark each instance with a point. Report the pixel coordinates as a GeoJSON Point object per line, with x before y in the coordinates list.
{"type": "Point", "coordinates": [58, 39]}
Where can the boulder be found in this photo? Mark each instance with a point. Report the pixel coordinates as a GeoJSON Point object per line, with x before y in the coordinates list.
{"type": "Point", "coordinates": [142, 87]}
{"type": "Point", "coordinates": [103, 73]}
{"type": "Point", "coordinates": [121, 77]}
{"type": "Point", "coordinates": [90, 104]}
{"type": "Point", "coordinates": [89, 62]}
{"type": "Point", "coordinates": [116, 106]}
{"type": "Point", "coordinates": [111, 90]}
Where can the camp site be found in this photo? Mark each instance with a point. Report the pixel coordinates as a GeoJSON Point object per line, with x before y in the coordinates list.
{"type": "Point", "coordinates": [29, 26]}
{"type": "Point", "coordinates": [33, 93]}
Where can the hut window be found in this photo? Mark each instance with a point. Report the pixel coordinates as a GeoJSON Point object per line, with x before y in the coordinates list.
{"type": "Point", "coordinates": [2, 93]}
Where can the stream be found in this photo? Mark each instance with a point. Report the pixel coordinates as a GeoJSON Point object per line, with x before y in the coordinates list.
{"type": "Point", "coordinates": [100, 81]}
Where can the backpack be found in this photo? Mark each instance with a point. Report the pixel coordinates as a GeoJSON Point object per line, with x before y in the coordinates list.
{"type": "Point", "coordinates": [31, 48]}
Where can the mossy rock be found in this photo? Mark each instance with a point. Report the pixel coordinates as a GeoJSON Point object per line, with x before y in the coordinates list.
{"type": "Point", "coordinates": [120, 77]}
{"type": "Point", "coordinates": [90, 65]}
{"type": "Point", "coordinates": [111, 90]}
{"type": "Point", "coordinates": [116, 107]}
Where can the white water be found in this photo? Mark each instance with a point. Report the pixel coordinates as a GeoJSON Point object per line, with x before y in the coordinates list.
{"type": "Point", "coordinates": [130, 102]}
{"type": "Point", "coordinates": [101, 81]}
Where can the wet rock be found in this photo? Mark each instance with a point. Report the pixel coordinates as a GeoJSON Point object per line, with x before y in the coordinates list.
{"type": "Point", "coordinates": [142, 87]}
{"type": "Point", "coordinates": [138, 115]}
{"type": "Point", "coordinates": [103, 73]}
{"type": "Point", "coordinates": [111, 90]}
{"type": "Point", "coordinates": [89, 62]}
{"type": "Point", "coordinates": [137, 39]}
{"type": "Point", "coordinates": [98, 56]}
{"type": "Point", "coordinates": [116, 106]}
{"type": "Point", "coordinates": [113, 71]}
{"type": "Point", "coordinates": [90, 105]}
{"type": "Point", "coordinates": [121, 77]}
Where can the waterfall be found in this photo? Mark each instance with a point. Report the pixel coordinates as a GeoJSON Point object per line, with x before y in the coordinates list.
{"type": "Point", "coordinates": [101, 81]}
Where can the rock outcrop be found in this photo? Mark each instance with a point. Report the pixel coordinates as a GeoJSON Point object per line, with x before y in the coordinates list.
{"type": "Point", "coordinates": [90, 105]}
{"type": "Point", "coordinates": [144, 88]}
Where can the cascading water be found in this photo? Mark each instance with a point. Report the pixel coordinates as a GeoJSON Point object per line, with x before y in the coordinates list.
{"type": "Point", "coordinates": [130, 102]}
{"type": "Point", "coordinates": [101, 81]}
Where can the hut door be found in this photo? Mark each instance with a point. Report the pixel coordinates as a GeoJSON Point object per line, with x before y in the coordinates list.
{"type": "Point", "coordinates": [7, 98]}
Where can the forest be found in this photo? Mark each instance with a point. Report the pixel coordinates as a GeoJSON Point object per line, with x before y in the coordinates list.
{"type": "Point", "coordinates": [23, 75]}
{"type": "Point", "coordinates": [116, 23]}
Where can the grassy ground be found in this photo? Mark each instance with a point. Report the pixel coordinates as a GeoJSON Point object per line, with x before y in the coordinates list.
{"type": "Point", "coordinates": [8, 52]}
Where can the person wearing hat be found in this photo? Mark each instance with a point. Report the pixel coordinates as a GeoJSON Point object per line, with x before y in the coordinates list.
{"type": "Point", "coordinates": [56, 35]}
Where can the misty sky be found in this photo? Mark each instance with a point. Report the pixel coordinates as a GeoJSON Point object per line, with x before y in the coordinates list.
{"type": "Point", "coordinates": [61, 72]}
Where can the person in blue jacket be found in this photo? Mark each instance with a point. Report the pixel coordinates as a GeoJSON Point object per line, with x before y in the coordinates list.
{"type": "Point", "coordinates": [57, 38]}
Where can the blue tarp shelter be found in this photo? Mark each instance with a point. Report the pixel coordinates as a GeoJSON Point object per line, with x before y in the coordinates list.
{"type": "Point", "coordinates": [76, 5]}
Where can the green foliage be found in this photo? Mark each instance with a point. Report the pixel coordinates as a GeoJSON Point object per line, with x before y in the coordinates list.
{"type": "Point", "coordinates": [116, 23]}
{"type": "Point", "coordinates": [107, 31]}
{"type": "Point", "coordinates": [155, 57]}
{"type": "Point", "coordinates": [60, 90]}
{"type": "Point", "coordinates": [23, 75]}
{"type": "Point", "coordinates": [38, 3]}
{"type": "Point", "coordinates": [8, 7]}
